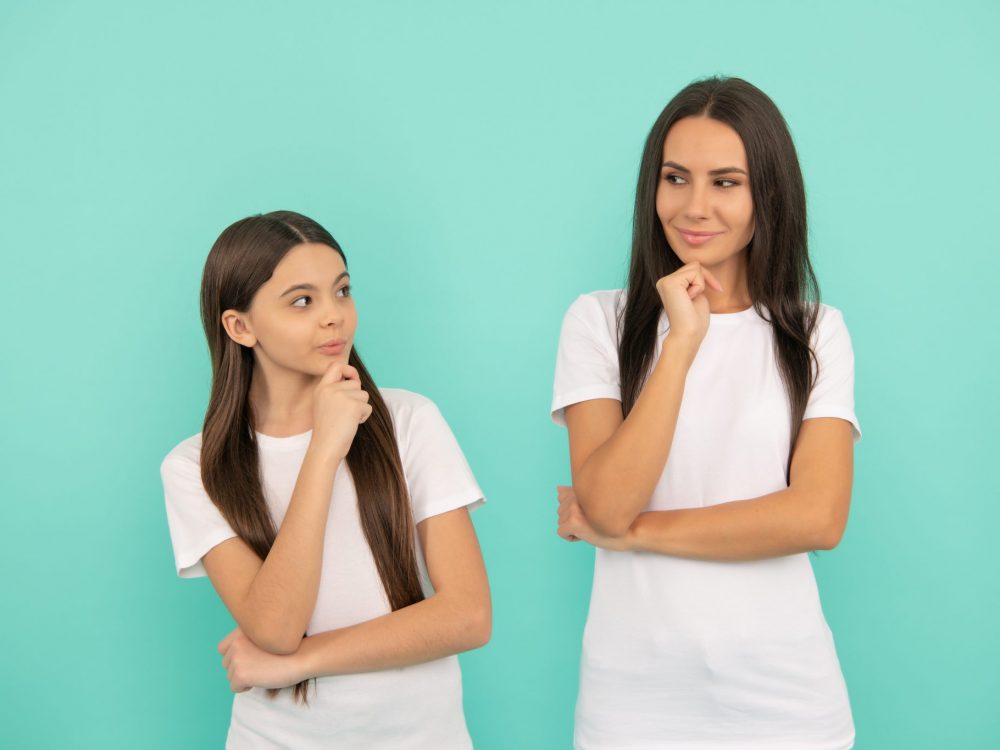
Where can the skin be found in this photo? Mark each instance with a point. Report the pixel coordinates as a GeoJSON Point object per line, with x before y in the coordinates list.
{"type": "Point", "coordinates": [616, 462]}
{"type": "Point", "coordinates": [297, 387]}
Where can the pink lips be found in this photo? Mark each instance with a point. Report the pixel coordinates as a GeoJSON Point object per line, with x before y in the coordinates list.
{"type": "Point", "coordinates": [336, 346]}
{"type": "Point", "coordinates": [697, 238]}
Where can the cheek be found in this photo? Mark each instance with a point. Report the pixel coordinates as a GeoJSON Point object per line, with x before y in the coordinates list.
{"type": "Point", "coordinates": [741, 217]}
{"type": "Point", "coordinates": [664, 207]}
{"type": "Point", "coordinates": [289, 335]}
{"type": "Point", "coordinates": [748, 224]}
{"type": "Point", "coordinates": [747, 210]}
{"type": "Point", "coordinates": [350, 321]}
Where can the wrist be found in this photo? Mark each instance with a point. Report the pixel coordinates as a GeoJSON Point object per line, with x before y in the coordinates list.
{"type": "Point", "coordinates": [325, 456]}
{"type": "Point", "coordinates": [304, 661]}
{"type": "Point", "coordinates": [631, 539]}
{"type": "Point", "coordinates": [681, 347]}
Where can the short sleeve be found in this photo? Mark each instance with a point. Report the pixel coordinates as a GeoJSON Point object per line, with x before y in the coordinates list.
{"type": "Point", "coordinates": [832, 394]}
{"type": "Point", "coordinates": [437, 474]}
{"type": "Point", "coordinates": [587, 360]}
{"type": "Point", "coordinates": [196, 525]}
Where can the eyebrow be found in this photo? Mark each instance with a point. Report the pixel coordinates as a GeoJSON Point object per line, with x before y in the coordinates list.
{"type": "Point", "coordinates": [310, 287]}
{"type": "Point", "coordinates": [713, 172]}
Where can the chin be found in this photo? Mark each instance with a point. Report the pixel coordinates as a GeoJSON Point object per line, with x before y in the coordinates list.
{"type": "Point", "coordinates": [327, 360]}
{"type": "Point", "coordinates": [692, 255]}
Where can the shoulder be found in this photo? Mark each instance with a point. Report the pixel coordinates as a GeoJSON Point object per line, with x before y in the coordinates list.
{"type": "Point", "coordinates": [829, 322]}
{"type": "Point", "coordinates": [408, 408]}
{"type": "Point", "coordinates": [403, 402]}
{"type": "Point", "coordinates": [422, 432]}
{"type": "Point", "coordinates": [184, 458]}
{"type": "Point", "coordinates": [598, 306]}
{"type": "Point", "coordinates": [827, 312]}
{"type": "Point", "coordinates": [594, 316]}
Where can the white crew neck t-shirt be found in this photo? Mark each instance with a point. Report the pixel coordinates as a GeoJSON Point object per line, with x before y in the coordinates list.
{"type": "Point", "coordinates": [695, 655]}
{"type": "Point", "coordinates": [416, 707]}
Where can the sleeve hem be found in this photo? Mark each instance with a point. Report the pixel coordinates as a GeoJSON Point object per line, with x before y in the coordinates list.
{"type": "Point", "coordinates": [471, 497]}
{"type": "Point", "coordinates": [839, 412]}
{"type": "Point", "coordinates": [587, 393]}
{"type": "Point", "coordinates": [189, 564]}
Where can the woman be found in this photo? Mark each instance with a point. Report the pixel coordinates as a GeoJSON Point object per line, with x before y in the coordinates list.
{"type": "Point", "coordinates": [331, 516]}
{"type": "Point", "coordinates": [711, 423]}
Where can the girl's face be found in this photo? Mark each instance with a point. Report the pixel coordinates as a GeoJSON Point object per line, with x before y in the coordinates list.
{"type": "Point", "coordinates": [303, 318]}
{"type": "Point", "coordinates": [704, 188]}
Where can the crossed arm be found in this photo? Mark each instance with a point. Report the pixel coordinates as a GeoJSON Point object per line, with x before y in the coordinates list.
{"type": "Point", "coordinates": [617, 462]}
{"type": "Point", "coordinates": [456, 617]}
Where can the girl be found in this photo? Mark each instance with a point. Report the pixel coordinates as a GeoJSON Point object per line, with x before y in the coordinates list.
{"type": "Point", "coordinates": [318, 504]}
{"type": "Point", "coordinates": [711, 422]}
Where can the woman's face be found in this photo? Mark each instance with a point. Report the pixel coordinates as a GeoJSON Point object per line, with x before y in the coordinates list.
{"type": "Point", "coordinates": [303, 318]}
{"type": "Point", "coordinates": [703, 198]}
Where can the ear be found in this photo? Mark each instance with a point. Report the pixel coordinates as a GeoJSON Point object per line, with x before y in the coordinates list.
{"type": "Point", "coordinates": [237, 327]}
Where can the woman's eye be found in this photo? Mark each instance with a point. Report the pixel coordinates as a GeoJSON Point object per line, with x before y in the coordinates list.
{"type": "Point", "coordinates": [305, 299]}
{"type": "Point", "coordinates": [671, 177]}
{"type": "Point", "coordinates": [728, 183]}
{"type": "Point", "coordinates": [344, 291]}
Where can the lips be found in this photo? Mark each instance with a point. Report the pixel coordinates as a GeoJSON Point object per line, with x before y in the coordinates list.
{"type": "Point", "coordinates": [333, 346]}
{"type": "Point", "coordinates": [697, 238]}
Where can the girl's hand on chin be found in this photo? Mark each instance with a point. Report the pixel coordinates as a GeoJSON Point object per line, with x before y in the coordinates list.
{"type": "Point", "coordinates": [339, 406]}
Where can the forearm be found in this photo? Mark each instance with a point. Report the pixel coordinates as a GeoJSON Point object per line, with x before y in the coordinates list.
{"type": "Point", "coordinates": [617, 480]}
{"type": "Point", "coordinates": [781, 523]}
{"type": "Point", "coordinates": [430, 629]}
{"type": "Point", "coordinates": [282, 596]}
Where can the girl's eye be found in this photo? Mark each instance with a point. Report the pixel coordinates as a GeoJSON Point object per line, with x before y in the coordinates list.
{"type": "Point", "coordinates": [344, 291]}
{"type": "Point", "coordinates": [670, 179]}
{"type": "Point", "coordinates": [729, 183]}
{"type": "Point", "coordinates": [305, 299]}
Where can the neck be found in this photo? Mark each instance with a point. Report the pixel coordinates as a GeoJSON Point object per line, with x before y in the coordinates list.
{"type": "Point", "coordinates": [282, 400]}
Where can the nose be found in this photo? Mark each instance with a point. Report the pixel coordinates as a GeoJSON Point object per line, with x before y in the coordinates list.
{"type": "Point", "coordinates": [698, 206]}
{"type": "Point", "coordinates": [332, 315]}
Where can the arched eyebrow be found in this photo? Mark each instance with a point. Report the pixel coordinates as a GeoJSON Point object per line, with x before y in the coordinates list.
{"type": "Point", "coordinates": [713, 172]}
{"type": "Point", "coordinates": [310, 287]}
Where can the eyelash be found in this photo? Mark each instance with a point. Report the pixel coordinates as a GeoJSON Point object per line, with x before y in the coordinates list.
{"type": "Point", "coordinates": [345, 289]}
{"type": "Point", "coordinates": [732, 183]}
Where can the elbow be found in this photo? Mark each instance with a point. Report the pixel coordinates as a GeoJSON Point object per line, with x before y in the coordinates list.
{"type": "Point", "coordinates": [609, 510]}
{"type": "Point", "coordinates": [282, 647]}
{"type": "Point", "coordinates": [830, 530]}
{"type": "Point", "coordinates": [479, 627]}
{"type": "Point", "coordinates": [829, 536]}
{"type": "Point", "coordinates": [606, 519]}
{"type": "Point", "coordinates": [475, 625]}
{"type": "Point", "coordinates": [280, 642]}
{"type": "Point", "coordinates": [611, 525]}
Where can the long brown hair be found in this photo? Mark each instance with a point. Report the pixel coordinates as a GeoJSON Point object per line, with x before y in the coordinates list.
{"type": "Point", "coordinates": [780, 277]}
{"type": "Point", "coordinates": [241, 260]}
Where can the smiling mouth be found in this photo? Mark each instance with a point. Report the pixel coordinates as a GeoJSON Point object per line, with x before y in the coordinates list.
{"type": "Point", "coordinates": [697, 238]}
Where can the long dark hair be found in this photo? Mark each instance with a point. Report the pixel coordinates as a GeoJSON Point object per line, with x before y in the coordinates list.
{"type": "Point", "coordinates": [780, 277]}
{"type": "Point", "coordinates": [241, 260]}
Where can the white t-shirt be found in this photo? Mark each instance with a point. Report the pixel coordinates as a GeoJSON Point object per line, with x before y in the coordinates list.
{"type": "Point", "coordinates": [709, 655]}
{"type": "Point", "coordinates": [419, 706]}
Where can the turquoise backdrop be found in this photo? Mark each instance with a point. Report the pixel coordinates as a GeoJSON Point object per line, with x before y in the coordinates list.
{"type": "Point", "coordinates": [477, 161]}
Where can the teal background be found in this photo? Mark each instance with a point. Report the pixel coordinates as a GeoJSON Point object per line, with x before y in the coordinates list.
{"type": "Point", "coordinates": [477, 162]}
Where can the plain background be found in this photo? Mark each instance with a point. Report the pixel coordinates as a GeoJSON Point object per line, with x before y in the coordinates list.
{"type": "Point", "coordinates": [478, 163]}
